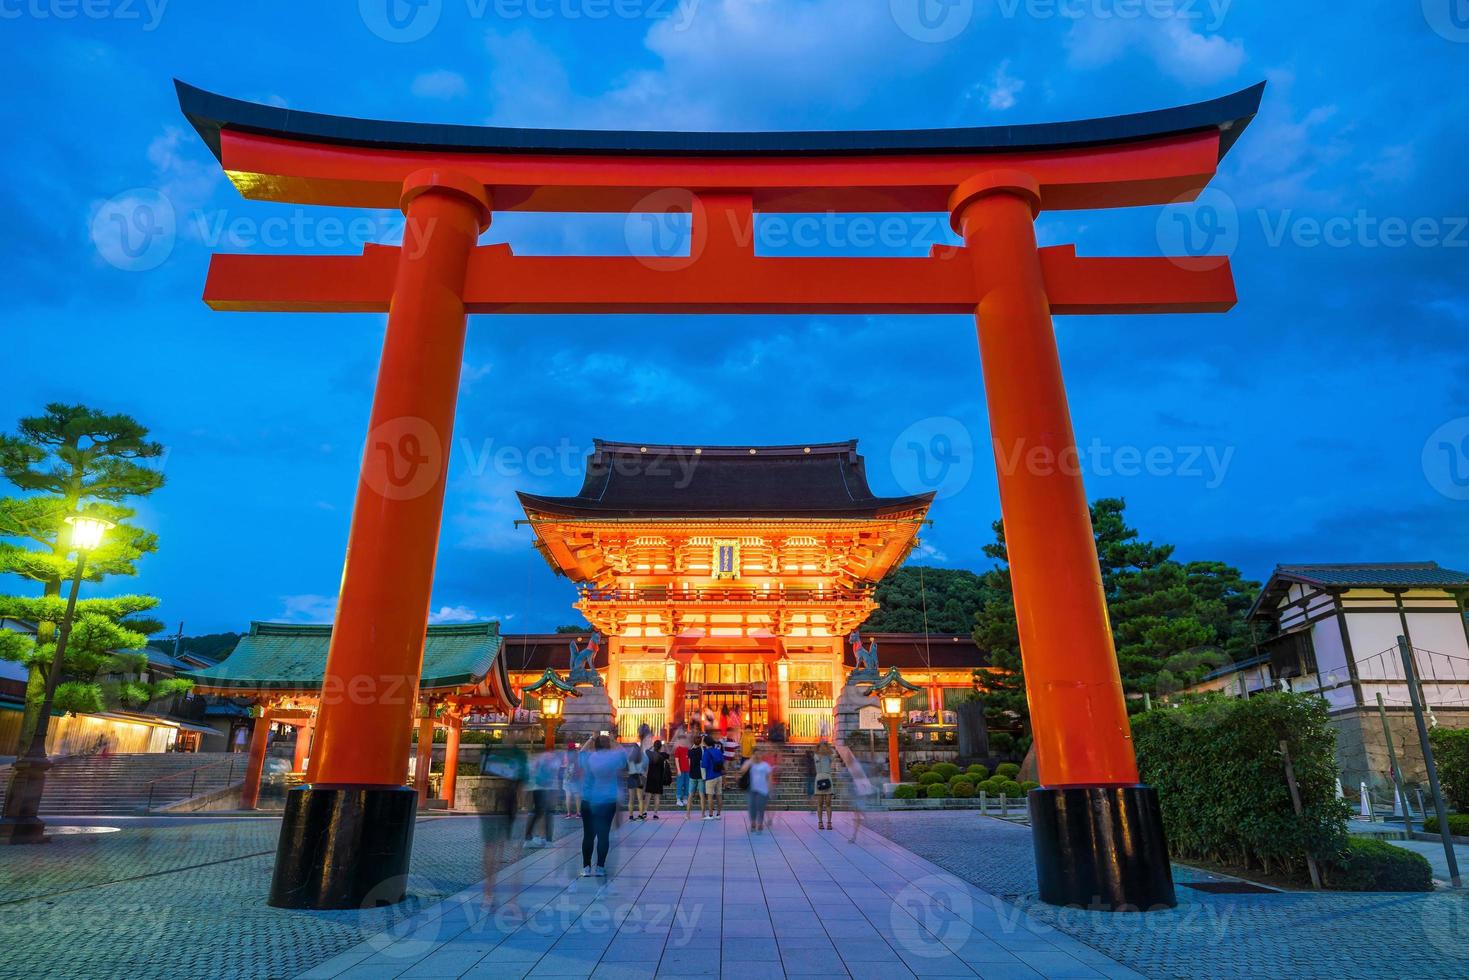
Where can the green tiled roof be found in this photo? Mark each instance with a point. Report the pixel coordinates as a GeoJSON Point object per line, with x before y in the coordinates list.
{"type": "Point", "coordinates": [284, 656]}
{"type": "Point", "coordinates": [1402, 573]}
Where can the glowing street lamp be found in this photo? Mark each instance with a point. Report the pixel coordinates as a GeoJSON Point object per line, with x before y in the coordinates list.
{"type": "Point", "coordinates": [552, 692]}
{"type": "Point", "coordinates": [21, 823]}
{"type": "Point", "coordinates": [891, 690]}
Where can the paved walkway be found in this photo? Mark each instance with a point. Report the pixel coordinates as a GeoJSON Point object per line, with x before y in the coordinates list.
{"type": "Point", "coordinates": [1295, 934]}
{"type": "Point", "coordinates": [706, 899]}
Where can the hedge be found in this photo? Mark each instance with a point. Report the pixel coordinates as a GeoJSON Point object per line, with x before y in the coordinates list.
{"type": "Point", "coordinates": [980, 773]}
{"type": "Point", "coordinates": [905, 791]}
{"type": "Point", "coordinates": [1007, 769]}
{"type": "Point", "coordinates": [960, 789]}
{"type": "Point", "coordinates": [1458, 825]}
{"type": "Point", "coordinates": [930, 779]}
{"type": "Point", "coordinates": [1216, 764]}
{"type": "Point", "coordinates": [917, 769]}
{"type": "Point", "coordinates": [1451, 753]}
{"type": "Point", "coordinates": [1377, 866]}
{"type": "Point", "coordinates": [938, 791]}
{"type": "Point", "coordinates": [946, 769]}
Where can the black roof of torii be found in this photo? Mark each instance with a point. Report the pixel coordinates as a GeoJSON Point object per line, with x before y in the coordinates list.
{"type": "Point", "coordinates": [209, 113]}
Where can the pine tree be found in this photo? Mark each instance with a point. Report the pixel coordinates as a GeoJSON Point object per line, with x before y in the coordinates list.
{"type": "Point", "coordinates": [915, 599]}
{"type": "Point", "coordinates": [1171, 622]}
{"type": "Point", "coordinates": [67, 457]}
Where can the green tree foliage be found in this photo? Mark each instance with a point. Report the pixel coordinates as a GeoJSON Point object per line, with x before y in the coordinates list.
{"type": "Point", "coordinates": [945, 599]}
{"type": "Point", "coordinates": [72, 456]}
{"type": "Point", "coordinates": [102, 661]}
{"type": "Point", "coordinates": [215, 646]}
{"type": "Point", "coordinates": [1172, 622]}
{"type": "Point", "coordinates": [1451, 754]}
{"type": "Point", "coordinates": [1216, 763]}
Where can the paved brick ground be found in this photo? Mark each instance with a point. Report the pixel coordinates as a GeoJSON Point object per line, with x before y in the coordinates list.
{"type": "Point", "coordinates": [1335, 935]}
{"type": "Point", "coordinates": [187, 899]}
{"type": "Point", "coordinates": [706, 899]}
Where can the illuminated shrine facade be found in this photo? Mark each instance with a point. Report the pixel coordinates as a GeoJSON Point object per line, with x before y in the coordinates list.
{"type": "Point", "coordinates": [729, 578]}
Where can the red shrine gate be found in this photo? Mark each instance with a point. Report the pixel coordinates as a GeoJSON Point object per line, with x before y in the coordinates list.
{"type": "Point", "coordinates": [348, 832]}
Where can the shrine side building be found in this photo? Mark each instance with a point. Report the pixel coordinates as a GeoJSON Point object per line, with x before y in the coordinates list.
{"type": "Point", "coordinates": [731, 577]}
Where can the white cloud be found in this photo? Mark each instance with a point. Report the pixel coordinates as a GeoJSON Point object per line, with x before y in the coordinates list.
{"type": "Point", "coordinates": [454, 614]}
{"type": "Point", "coordinates": [440, 84]}
{"type": "Point", "coordinates": [308, 608]}
{"type": "Point", "coordinates": [1000, 93]}
{"type": "Point", "coordinates": [929, 552]}
{"type": "Point", "coordinates": [1172, 43]}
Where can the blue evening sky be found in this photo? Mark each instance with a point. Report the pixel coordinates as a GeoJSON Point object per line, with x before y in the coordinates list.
{"type": "Point", "coordinates": [1325, 419]}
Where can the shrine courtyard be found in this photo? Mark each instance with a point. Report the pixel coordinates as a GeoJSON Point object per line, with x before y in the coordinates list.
{"type": "Point", "coordinates": [938, 894]}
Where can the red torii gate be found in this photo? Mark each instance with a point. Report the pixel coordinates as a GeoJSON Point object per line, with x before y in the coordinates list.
{"type": "Point", "coordinates": [347, 834]}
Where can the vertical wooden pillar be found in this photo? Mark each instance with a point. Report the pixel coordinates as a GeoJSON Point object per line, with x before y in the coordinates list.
{"type": "Point", "coordinates": [1077, 711]}
{"type": "Point", "coordinates": [303, 748]}
{"type": "Point", "coordinates": [426, 726]}
{"type": "Point", "coordinates": [451, 758]}
{"type": "Point", "coordinates": [255, 763]}
{"type": "Point", "coordinates": [377, 642]}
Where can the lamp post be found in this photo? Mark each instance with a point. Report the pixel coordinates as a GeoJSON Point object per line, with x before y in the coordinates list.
{"type": "Point", "coordinates": [21, 823]}
{"type": "Point", "coordinates": [553, 692]}
{"type": "Point", "coordinates": [890, 690]}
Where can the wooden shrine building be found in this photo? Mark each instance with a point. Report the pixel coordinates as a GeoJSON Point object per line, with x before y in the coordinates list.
{"type": "Point", "coordinates": [728, 578]}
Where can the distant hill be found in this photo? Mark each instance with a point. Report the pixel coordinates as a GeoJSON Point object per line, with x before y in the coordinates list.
{"type": "Point", "coordinates": [215, 646]}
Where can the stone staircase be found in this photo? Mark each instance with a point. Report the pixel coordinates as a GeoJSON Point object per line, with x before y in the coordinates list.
{"type": "Point", "coordinates": [119, 785]}
{"type": "Point", "coordinates": [789, 792]}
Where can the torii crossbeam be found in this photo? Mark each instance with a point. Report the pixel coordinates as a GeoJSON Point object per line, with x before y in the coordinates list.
{"type": "Point", "coordinates": [347, 833]}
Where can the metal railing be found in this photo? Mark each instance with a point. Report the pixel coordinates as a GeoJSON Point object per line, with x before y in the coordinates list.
{"type": "Point", "coordinates": [193, 778]}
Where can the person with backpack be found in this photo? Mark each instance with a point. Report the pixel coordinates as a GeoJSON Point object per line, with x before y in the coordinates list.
{"type": "Point", "coordinates": [712, 760]}
{"type": "Point", "coordinates": [637, 779]}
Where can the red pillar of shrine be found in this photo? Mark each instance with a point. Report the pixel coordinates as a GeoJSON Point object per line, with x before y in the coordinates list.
{"type": "Point", "coordinates": [425, 760]}
{"type": "Point", "coordinates": [451, 760]}
{"type": "Point", "coordinates": [303, 748]}
{"type": "Point", "coordinates": [1098, 834]}
{"type": "Point", "coordinates": [347, 834]}
{"type": "Point", "coordinates": [255, 762]}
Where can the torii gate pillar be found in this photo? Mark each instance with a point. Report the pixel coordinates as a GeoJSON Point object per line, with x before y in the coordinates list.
{"type": "Point", "coordinates": [1098, 833]}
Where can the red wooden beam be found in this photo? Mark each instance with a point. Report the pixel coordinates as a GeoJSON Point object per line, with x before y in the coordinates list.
{"type": "Point", "coordinates": [720, 280]}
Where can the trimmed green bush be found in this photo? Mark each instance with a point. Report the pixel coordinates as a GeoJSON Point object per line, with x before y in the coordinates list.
{"type": "Point", "coordinates": [980, 773]}
{"type": "Point", "coordinates": [1002, 743]}
{"type": "Point", "coordinates": [905, 791]}
{"type": "Point", "coordinates": [938, 791]}
{"type": "Point", "coordinates": [961, 790]}
{"type": "Point", "coordinates": [991, 786]}
{"type": "Point", "coordinates": [1451, 753]}
{"type": "Point", "coordinates": [1012, 789]}
{"type": "Point", "coordinates": [917, 769]}
{"type": "Point", "coordinates": [1458, 825]}
{"type": "Point", "coordinates": [1216, 764]}
{"type": "Point", "coordinates": [946, 769]}
{"type": "Point", "coordinates": [1029, 784]}
{"type": "Point", "coordinates": [1007, 769]}
{"type": "Point", "coordinates": [1377, 866]}
{"type": "Point", "coordinates": [930, 779]}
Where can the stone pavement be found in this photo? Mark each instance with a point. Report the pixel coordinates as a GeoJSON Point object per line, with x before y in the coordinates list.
{"type": "Point", "coordinates": [185, 898]}
{"type": "Point", "coordinates": [1292, 934]}
{"type": "Point", "coordinates": [706, 899]}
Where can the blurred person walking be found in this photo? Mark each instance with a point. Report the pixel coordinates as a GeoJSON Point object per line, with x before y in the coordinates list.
{"type": "Point", "coordinates": [656, 779]}
{"type": "Point", "coordinates": [823, 786]}
{"type": "Point", "coordinates": [509, 765]}
{"type": "Point", "coordinates": [681, 769]}
{"type": "Point", "coordinates": [637, 779]}
{"type": "Point", "coordinates": [696, 779]}
{"type": "Point", "coordinates": [571, 780]}
{"type": "Point", "coordinates": [603, 770]}
{"type": "Point", "coordinates": [545, 782]}
{"type": "Point", "coordinates": [756, 776]}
